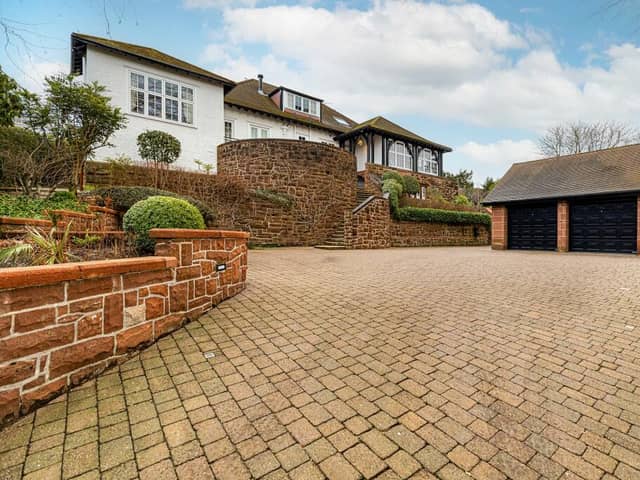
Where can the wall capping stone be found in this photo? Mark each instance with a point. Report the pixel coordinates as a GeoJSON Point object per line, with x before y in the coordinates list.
{"type": "Point", "coordinates": [63, 324]}
{"type": "Point", "coordinates": [191, 233]}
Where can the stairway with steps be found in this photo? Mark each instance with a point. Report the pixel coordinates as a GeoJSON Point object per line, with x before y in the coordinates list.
{"type": "Point", "coordinates": [336, 239]}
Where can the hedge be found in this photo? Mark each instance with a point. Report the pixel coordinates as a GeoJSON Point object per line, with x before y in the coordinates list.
{"type": "Point", "coordinates": [433, 215]}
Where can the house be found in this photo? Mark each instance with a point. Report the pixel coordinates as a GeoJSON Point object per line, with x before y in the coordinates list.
{"type": "Point", "coordinates": [156, 92]}
{"type": "Point", "coordinates": [203, 110]}
{"type": "Point", "coordinates": [256, 109]}
{"type": "Point", "coordinates": [586, 202]}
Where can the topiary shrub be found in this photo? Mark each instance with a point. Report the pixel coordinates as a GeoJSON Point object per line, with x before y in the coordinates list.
{"type": "Point", "coordinates": [411, 184]}
{"type": "Point", "coordinates": [159, 212]}
{"type": "Point", "coordinates": [123, 198]}
{"type": "Point", "coordinates": [390, 174]}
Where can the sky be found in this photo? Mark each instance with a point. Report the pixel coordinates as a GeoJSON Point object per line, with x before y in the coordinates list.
{"type": "Point", "coordinates": [486, 78]}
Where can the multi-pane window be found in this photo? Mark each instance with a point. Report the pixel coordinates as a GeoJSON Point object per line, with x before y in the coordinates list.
{"type": "Point", "coordinates": [256, 131]}
{"type": "Point", "coordinates": [302, 104]}
{"type": "Point", "coordinates": [161, 98]}
{"type": "Point", "coordinates": [228, 130]}
{"type": "Point", "coordinates": [428, 162]}
{"type": "Point", "coordinates": [399, 156]}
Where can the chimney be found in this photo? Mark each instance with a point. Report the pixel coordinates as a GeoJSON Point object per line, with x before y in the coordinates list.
{"type": "Point", "coordinates": [260, 90]}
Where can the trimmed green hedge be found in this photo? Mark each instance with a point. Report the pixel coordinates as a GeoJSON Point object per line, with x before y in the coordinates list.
{"type": "Point", "coordinates": [159, 212]}
{"type": "Point", "coordinates": [432, 215]}
{"type": "Point", "coordinates": [26, 207]}
{"type": "Point", "coordinates": [123, 198]}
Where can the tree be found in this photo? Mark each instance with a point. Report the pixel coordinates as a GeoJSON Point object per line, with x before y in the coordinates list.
{"type": "Point", "coordinates": [158, 147]}
{"type": "Point", "coordinates": [488, 185]}
{"type": "Point", "coordinates": [12, 99]}
{"type": "Point", "coordinates": [76, 116]}
{"type": "Point", "coordinates": [464, 181]}
{"type": "Point", "coordinates": [577, 137]}
{"type": "Point", "coordinates": [29, 161]}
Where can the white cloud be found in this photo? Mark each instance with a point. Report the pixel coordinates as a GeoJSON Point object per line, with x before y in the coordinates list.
{"type": "Point", "coordinates": [447, 61]}
{"type": "Point", "coordinates": [33, 74]}
{"type": "Point", "coordinates": [493, 159]}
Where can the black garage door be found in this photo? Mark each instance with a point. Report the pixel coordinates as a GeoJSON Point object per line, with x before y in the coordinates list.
{"type": "Point", "coordinates": [532, 227]}
{"type": "Point", "coordinates": [603, 225]}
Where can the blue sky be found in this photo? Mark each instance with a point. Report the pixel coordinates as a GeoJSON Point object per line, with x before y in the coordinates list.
{"type": "Point", "coordinates": [484, 77]}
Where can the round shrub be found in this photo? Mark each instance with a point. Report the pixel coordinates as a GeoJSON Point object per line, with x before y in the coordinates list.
{"type": "Point", "coordinates": [159, 212]}
{"type": "Point", "coordinates": [411, 184]}
{"type": "Point", "coordinates": [123, 198]}
{"type": "Point", "coordinates": [390, 174]}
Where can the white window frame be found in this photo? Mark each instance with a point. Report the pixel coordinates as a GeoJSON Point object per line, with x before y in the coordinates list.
{"type": "Point", "coordinates": [182, 102]}
{"type": "Point", "coordinates": [261, 129]}
{"type": "Point", "coordinates": [296, 102]}
{"type": "Point", "coordinates": [428, 164]}
{"type": "Point", "coordinates": [399, 158]}
{"type": "Point", "coordinates": [233, 129]}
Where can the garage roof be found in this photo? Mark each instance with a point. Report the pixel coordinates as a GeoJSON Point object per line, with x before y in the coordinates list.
{"type": "Point", "coordinates": [614, 170]}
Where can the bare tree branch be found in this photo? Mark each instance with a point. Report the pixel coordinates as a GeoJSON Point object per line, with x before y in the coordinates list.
{"type": "Point", "coordinates": [577, 137]}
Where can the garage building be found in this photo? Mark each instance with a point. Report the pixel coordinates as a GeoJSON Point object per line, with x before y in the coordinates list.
{"type": "Point", "coordinates": [587, 202]}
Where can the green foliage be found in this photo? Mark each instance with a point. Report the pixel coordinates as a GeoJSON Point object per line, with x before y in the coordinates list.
{"type": "Point", "coordinates": [12, 99]}
{"type": "Point", "coordinates": [489, 184]}
{"type": "Point", "coordinates": [274, 197]}
{"type": "Point", "coordinates": [123, 198]}
{"type": "Point", "coordinates": [461, 200]}
{"type": "Point", "coordinates": [159, 212]}
{"type": "Point", "coordinates": [158, 147]}
{"type": "Point", "coordinates": [390, 174]}
{"type": "Point", "coordinates": [27, 207]}
{"type": "Point", "coordinates": [433, 215]}
{"type": "Point", "coordinates": [464, 181]}
{"type": "Point", "coordinates": [204, 167]}
{"type": "Point", "coordinates": [87, 240]}
{"type": "Point", "coordinates": [411, 184]}
{"type": "Point", "coordinates": [394, 189]}
{"type": "Point", "coordinates": [76, 115]}
{"type": "Point", "coordinates": [62, 196]}
{"type": "Point", "coordinates": [40, 248]}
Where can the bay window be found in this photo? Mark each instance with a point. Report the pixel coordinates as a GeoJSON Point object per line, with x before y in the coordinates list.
{"type": "Point", "coordinates": [428, 162]}
{"type": "Point", "coordinates": [158, 97]}
{"type": "Point", "coordinates": [399, 156]}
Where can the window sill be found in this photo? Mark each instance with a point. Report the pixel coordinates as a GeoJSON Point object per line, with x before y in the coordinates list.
{"type": "Point", "coordinates": [162, 120]}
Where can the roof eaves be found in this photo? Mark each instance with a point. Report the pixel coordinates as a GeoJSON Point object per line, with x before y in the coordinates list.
{"type": "Point", "coordinates": [211, 77]}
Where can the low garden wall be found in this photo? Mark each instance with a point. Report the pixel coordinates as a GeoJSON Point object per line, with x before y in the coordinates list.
{"type": "Point", "coordinates": [426, 234]}
{"type": "Point", "coordinates": [101, 219]}
{"type": "Point", "coordinates": [62, 324]}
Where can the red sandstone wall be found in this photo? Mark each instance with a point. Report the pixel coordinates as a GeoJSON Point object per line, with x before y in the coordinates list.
{"type": "Point", "coordinates": [369, 226]}
{"type": "Point", "coordinates": [61, 324]}
{"type": "Point", "coordinates": [101, 219]}
{"type": "Point", "coordinates": [421, 234]}
{"type": "Point", "coordinates": [320, 179]}
{"type": "Point", "coordinates": [373, 179]}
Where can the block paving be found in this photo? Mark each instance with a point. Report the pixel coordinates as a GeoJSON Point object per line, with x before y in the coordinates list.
{"type": "Point", "coordinates": [449, 363]}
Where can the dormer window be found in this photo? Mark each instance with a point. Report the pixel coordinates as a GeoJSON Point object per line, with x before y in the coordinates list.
{"type": "Point", "coordinates": [302, 104]}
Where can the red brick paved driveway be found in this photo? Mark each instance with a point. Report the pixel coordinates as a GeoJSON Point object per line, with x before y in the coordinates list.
{"type": "Point", "coordinates": [403, 363]}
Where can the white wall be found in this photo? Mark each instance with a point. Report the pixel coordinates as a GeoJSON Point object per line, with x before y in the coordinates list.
{"type": "Point", "coordinates": [198, 141]}
{"type": "Point", "coordinates": [278, 127]}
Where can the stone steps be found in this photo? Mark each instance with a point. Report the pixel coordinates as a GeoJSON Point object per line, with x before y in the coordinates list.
{"type": "Point", "coordinates": [336, 239]}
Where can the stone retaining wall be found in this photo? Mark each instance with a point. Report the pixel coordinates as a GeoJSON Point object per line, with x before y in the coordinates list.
{"type": "Point", "coordinates": [101, 219]}
{"type": "Point", "coordinates": [62, 324]}
{"type": "Point", "coordinates": [319, 179]}
{"type": "Point", "coordinates": [423, 234]}
{"type": "Point", "coordinates": [368, 226]}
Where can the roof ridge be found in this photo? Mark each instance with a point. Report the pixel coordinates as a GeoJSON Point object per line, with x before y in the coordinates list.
{"type": "Point", "coordinates": [557, 157]}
